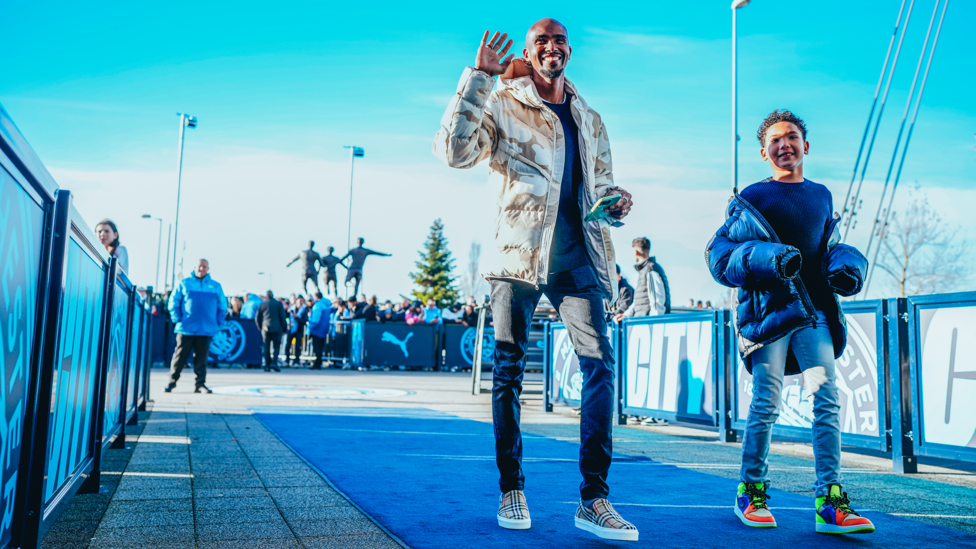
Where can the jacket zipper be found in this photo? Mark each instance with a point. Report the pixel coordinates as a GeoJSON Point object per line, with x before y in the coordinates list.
{"type": "Point", "coordinates": [547, 232]}
{"type": "Point", "coordinates": [823, 265]}
{"type": "Point", "coordinates": [804, 296]}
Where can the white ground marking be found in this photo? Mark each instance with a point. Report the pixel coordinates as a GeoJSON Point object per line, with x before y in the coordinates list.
{"type": "Point", "coordinates": [481, 458]}
{"type": "Point", "coordinates": [933, 516]}
{"type": "Point", "coordinates": [167, 475]}
{"type": "Point", "coordinates": [616, 504]}
{"type": "Point", "coordinates": [162, 439]}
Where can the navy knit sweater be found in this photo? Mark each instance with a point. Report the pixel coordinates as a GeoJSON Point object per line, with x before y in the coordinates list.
{"type": "Point", "coordinates": [569, 245]}
{"type": "Point", "coordinates": [798, 214]}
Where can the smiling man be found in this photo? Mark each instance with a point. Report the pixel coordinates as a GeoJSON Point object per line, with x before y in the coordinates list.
{"type": "Point", "coordinates": [549, 163]}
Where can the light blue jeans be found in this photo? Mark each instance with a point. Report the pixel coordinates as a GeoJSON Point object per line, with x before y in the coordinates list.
{"type": "Point", "coordinates": [812, 346]}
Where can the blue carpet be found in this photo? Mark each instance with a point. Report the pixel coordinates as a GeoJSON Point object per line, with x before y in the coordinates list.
{"type": "Point", "coordinates": [430, 478]}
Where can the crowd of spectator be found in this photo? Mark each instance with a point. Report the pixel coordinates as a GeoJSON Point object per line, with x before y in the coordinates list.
{"type": "Point", "coordinates": [370, 309]}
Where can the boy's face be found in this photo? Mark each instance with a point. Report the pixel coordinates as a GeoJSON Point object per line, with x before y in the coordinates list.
{"type": "Point", "coordinates": [785, 147]}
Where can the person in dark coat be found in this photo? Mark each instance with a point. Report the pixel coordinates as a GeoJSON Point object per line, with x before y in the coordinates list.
{"type": "Point", "coordinates": [625, 292]}
{"type": "Point", "coordinates": [272, 320]}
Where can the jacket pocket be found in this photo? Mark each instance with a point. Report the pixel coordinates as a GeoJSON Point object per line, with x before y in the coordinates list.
{"type": "Point", "coordinates": [516, 161]}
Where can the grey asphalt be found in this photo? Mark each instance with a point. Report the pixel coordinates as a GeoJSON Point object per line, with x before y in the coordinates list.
{"type": "Point", "coordinates": [203, 472]}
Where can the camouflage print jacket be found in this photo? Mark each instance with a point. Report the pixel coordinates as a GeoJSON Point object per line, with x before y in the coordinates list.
{"type": "Point", "coordinates": [524, 144]}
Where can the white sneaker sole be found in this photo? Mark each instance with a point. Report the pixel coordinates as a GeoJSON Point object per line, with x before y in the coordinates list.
{"type": "Point", "coordinates": [514, 524]}
{"type": "Point", "coordinates": [607, 533]}
{"type": "Point", "coordinates": [835, 529]}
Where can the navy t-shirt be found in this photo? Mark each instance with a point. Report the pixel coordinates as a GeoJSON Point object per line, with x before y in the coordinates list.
{"type": "Point", "coordinates": [798, 214]}
{"type": "Point", "coordinates": [569, 247]}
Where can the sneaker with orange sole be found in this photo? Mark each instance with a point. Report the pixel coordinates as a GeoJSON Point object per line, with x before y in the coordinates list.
{"type": "Point", "coordinates": [750, 505]}
{"type": "Point", "coordinates": [835, 515]}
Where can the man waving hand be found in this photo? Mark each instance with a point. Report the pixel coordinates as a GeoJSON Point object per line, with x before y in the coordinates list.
{"type": "Point", "coordinates": [549, 164]}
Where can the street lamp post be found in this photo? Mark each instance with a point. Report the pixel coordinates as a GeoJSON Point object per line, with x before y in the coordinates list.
{"type": "Point", "coordinates": [185, 122]}
{"type": "Point", "coordinates": [354, 152]}
{"type": "Point", "coordinates": [736, 4]}
{"type": "Point", "coordinates": [159, 244]}
{"type": "Point", "coordinates": [169, 238]}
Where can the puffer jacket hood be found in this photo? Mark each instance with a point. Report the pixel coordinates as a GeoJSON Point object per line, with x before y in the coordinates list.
{"type": "Point", "coordinates": [198, 306]}
{"type": "Point", "coordinates": [771, 301]}
{"type": "Point", "coordinates": [523, 142]}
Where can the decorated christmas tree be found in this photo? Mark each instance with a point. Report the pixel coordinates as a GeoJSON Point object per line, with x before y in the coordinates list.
{"type": "Point", "coordinates": [433, 277]}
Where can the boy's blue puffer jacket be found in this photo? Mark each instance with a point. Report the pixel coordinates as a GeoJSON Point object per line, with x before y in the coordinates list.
{"type": "Point", "coordinates": [198, 306]}
{"type": "Point", "coordinates": [772, 302]}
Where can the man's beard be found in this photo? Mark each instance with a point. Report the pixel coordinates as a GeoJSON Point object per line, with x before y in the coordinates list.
{"type": "Point", "coordinates": [551, 74]}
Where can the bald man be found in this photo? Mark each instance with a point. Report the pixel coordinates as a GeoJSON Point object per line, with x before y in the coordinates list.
{"type": "Point", "coordinates": [198, 308]}
{"type": "Point", "coordinates": [548, 155]}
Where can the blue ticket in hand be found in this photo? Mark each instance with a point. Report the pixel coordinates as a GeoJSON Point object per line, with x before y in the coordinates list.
{"type": "Point", "coordinates": [600, 209]}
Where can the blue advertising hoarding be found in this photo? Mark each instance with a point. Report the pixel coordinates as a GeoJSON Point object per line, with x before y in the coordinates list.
{"type": "Point", "coordinates": [21, 237]}
{"type": "Point", "coordinates": [667, 367]}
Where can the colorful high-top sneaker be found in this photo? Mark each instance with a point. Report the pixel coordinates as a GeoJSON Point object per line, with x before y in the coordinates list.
{"type": "Point", "coordinates": [835, 515]}
{"type": "Point", "coordinates": [750, 505]}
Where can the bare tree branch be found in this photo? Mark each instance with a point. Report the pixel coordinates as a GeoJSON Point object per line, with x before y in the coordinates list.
{"type": "Point", "coordinates": [921, 253]}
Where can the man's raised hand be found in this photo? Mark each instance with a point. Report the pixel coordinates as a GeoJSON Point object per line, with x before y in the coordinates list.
{"type": "Point", "coordinates": [491, 54]}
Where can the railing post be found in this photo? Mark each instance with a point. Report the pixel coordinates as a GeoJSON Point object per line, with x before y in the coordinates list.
{"type": "Point", "coordinates": [147, 350]}
{"type": "Point", "coordinates": [478, 344]}
{"type": "Point", "coordinates": [546, 367]}
{"type": "Point", "coordinates": [91, 484]}
{"type": "Point", "coordinates": [618, 335]}
{"type": "Point", "coordinates": [723, 339]}
{"type": "Point", "coordinates": [903, 455]}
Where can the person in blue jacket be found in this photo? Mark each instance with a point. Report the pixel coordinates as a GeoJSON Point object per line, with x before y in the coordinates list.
{"type": "Point", "coordinates": [198, 308]}
{"type": "Point", "coordinates": [251, 304]}
{"type": "Point", "coordinates": [779, 247]}
{"type": "Point", "coordinates": [318, 327]}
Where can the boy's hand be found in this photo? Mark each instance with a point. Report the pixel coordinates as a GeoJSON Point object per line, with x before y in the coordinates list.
{"type": "Point", "coordinates": [491, 54]}
{"type": "Point", "coordinates": [623, 206]}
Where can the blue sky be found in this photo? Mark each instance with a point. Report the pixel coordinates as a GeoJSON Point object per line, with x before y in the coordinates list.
{"type": "Point", "coordinates": [278, 92]}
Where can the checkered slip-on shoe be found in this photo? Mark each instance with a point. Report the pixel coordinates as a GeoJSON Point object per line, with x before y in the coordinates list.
{"type": "Point", "coordinates": [604, 521]}
{"type": "Point", "coordinates": [513, 511]}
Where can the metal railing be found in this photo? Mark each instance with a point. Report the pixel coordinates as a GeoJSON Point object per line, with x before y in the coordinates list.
{"type": "Point", "coordinates": [906, 378]}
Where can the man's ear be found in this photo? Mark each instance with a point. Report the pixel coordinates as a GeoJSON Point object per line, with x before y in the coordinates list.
{"type": "Point", "coordinates": [762, 153]}
{"type": "Point", "coordinates": [806, 148]}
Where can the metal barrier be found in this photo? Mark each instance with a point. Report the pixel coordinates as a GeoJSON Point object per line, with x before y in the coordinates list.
{"type": "Point", "coordinates": [27, 194]}
{"type": "Point", "coordinates": [72, 353]}
{"type": "Point", "coordinates": [562, 380]}
{"type": "Point", "coordinates": [907, 377]}
{"type": "Point", "coordinates": [669, 368]}
{"type": "Point", "coordinates": [942, 375]}
{"type": "Point", "coordinates": [862, 381]}
{"type": "Point", "coordinates": [68, 415]}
